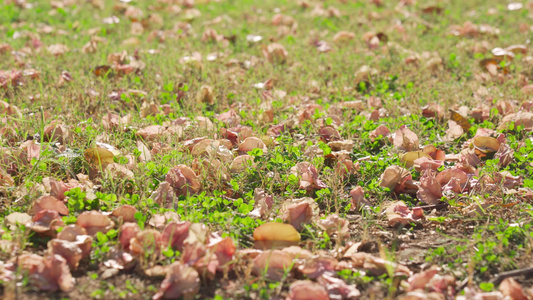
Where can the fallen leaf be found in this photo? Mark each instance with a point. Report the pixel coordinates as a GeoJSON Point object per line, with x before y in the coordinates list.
{"type": "Point", "coordinates": [307, 290]}
{"type": "Point", "coordinates": [180, 281]}
{"type": "Point", "coordinates": [272, 264]}
{"type": "Point", "coordinates": [94, 222]}
{"type": "Point", "coordinates": [405, 139]}
{"type": "Point", "coordinates": [275, 235]}
{"type": "Point", "coordinates": [399, 214]}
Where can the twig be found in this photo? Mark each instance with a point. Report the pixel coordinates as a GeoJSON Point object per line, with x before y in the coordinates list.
{"type": "Point", "coordinates": [528, 272]}
{"type": "Point", "coordinates": [434, 206]}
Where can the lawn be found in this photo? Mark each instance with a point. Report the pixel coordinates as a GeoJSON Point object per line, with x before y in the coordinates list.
{"type": "Point", "coordinates": [275, 149]}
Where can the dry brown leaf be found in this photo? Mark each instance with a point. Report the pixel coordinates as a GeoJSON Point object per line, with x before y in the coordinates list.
{"type": "Point", "coordinates": [358, 198]}
{"type": "Point", "coordinates": [272, 264]}
{"type": "Point", "coordinates": [333, 224]}
{"type": "Point", "coordinates": [49, 203]}
{"type": "Point", "coordinates": [183, 180]}
{"type": "Point", "coordinates": [180, 281]}
{"type": "Point", "coordinates": [175, 233]}
{"type": "Point", "coordinates": [405, 139]}
{"type": "Point", "coordinates": [430, 191]}
{"type": "Point", "coordinates": [512, 289]}
{"type": "Point", "coordinates": [399, 214]}
{"type": "Point", "coordinates": [94, 222]}
{"type": "Point", "coordinates": [299, 212]}
{"type": "Point", "coordinates": [126, 212]}
{"type": "Point", "coordinates": [306, 290]}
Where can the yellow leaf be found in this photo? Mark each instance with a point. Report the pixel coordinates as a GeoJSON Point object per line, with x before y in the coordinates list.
{"type": "Point", "coordinates": [272, 235]}
{"type": "Point", "coordinates": [409, 158]}
{"type": "Point", "coordinates": [98, 156]}
{"type": "Point", "coordinates": [459, 119]}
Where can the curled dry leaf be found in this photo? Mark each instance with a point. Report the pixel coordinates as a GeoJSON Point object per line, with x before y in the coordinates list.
{"type": "Point", "coordinates": [183, 180]}
{"type": "Point", "coordinates": [224, 250]}
{"type": "Point", "coordinates": [346, 145]}
{"type": "Point", "coordinates": [275, 53]}
{"type": "Point", "coordinates": [512, 289]}
{"type": "Point", "coordinates": [9, 109]}
{"type": "Point", "coordinates": [299, 212]}
{"type": "Point", "coordinates": [380, 131]}
{"type": "Point", "coordinates": [56, 131]}
{"type": "Point", "coordinates": [241, 163]}
{"type": "Point", "coordinates": [523, 118]}
{"type": "Point", "coordinates": [175, 233]}
{"type": "Point", "coordinates": [342, 37]}
{"type": "Point", "coordinates": [146, 242]}
{"type": "Point", "coordinates": [317, 266]}
{"type": "Point", "coordinates": [46, 222]}
{"type": "Point", "coordinates": [180, 281]}
{"type": "Point", "coordinates": [425, 163]}
{"type": "Point", "coordinates": [252, 143]}
{"type": "Point", "coordinates": [78, 235]}
{"type": "Point", "coordinates": [58, 188]}
{"type": "Point", "coordinates": [113, 121]}
{"type": "Point", "coordinates": [454, 174]}
{"type": "Point", "coordinates": [333, 224]}
{"type": "Point", "coordinates": [358, 198]}
{"type": "Point", "coordinates": [94, 222]}
{"type": "Point", "coordinates": [231, 118]}
{"type": "Point", "coordinates": [420, 280]}
{"type": "Point", "coordinates": [211, 169]}
{"type": "Point", "coordinates": [213, 149]}
{"type": "Point", "coordinates": [204, 124]}
{"type": "Point", "coordinates": [198, 232]}
{"type": "Point", "coordinates": [337, 288]}
{"type": "Point", "coordinates": [275, 235]}
{"type": "Point", "coordinates": [126, 212]}
{"type": "Point", "coordinates": [31, 149]}
{"type": "Point", "coordinates": [346, 167]}
{"type": "Point", "coordinates": [454, 131]}
{"type": "Point", "coordinates": [15, 218]}
{"type": "Point", "coordinates": [405, 139]}
{"type": "Point", "coordinates": [57, 49]}
{"type": "Point", "coordinates": [49, 203]}
{"type": "Point", "coordinates": [394, 178]}
{"type": "Point", "coordinates": [307, 290]}
{"type": "Point", "coordinates": [433, 110]}
{"type": "Point", "coordinates": [194, 254]}
{"type": "Point", "coordinates": [469, 157]}
{"type": "Point", "coordinates": [263, 204]}
{"type": "Point", "coordinates": [127, 232]}
{"type": "Point", "coordinates": [429, 191]}
{"type": "Point", "coordinates": [49, 273]}
{"type": "Point", "coordinates": [505, 155]}
{"type": "Point", "coordinates": [272, 264]}
{"type": "Point", "coordinates": [308, 176]}
{"type": "Point", "coordinates": [377, 266]}
{"type": "Point", "coordinates": [205, 95]}
{"type": "Point", "coordinates": [164, 194]}
{"type": "Point", "coordinates": [399, 214]}
{"type": "Point", "coordinates": [435, 153]}
{"type": "Point", "coordinates": [116, 170]}
{"type": "Point", "coordinates": [328, 134]}
{"type": "Point", "coordinates": [151, 133]}
{"type": "Point", "coordinates": [68, 250]}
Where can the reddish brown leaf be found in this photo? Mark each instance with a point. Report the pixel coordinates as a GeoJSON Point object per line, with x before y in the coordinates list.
{"type": "Point", "coordinates": [94, 222]}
